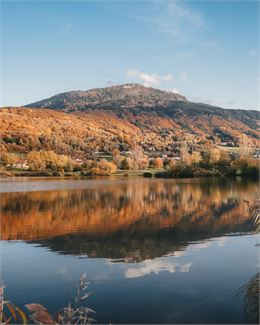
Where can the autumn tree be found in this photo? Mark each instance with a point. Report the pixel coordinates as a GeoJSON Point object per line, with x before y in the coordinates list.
{"type": "Point", "coordinates": [224, 155]}
{"type": "Point", "coordinates": [244, 146]}
{"type": "Point", "coordinates": [107, 166]}
{"type": "Point", "coordinates": [8, 158]}
{"type": "Point", "coordinates": [158, 163]}
{"type": "Point", "coordinates": [215, 155]}
{"type": "Point", "coordinates": [184, 152]}
{"type": "Point", "coordinates": [195, 157]}
{"type": "Point", "coordinates": [41, 160]}
{"type": "Point", "coordinates": [137, 156]}
{"type": "Point", "coordinates": [36, 160]}
{"type": "Point", "coordinates": [172, 163]}
{"type": "Point", "coordinates": [143, 164]}
{"type": "Point", "coordinates": [87, 164]}
{"type": "Point", "coordinates": [117, 158]}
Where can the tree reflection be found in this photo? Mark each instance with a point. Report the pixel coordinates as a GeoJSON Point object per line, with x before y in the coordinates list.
{"type": "Point", "coordinates": [133, 220]}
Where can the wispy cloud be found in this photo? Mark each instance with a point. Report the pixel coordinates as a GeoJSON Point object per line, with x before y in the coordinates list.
{"type": "Point", "coordinates": [252, 53]}
{"type": "Point", "coordinates": [185, 25]}
{"type": "Point", "coordinates": [64, 26]}
{"type": "Point", "coordinates": [175, 18]}
{"type": "Point", "coordinates": [184, 77]}
{"type": "Point", "coordinates": [149, 79]}
{"type": "Point", "coordinates": [215, 102]}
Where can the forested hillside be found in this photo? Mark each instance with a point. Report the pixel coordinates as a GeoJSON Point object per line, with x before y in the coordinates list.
{"type": "Point", "coordinates": [131, 119]}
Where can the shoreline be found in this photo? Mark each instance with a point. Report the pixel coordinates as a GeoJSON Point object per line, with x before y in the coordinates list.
{"type": "Point", "coordinates": [140, 174]}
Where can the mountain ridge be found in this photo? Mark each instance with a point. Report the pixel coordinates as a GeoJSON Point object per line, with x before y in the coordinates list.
{"type": "Point", "coordinates": [134, 99]}
{"type": "Point", "coordinates": [101, 97]}
{"type": "Point", "coordinates": [125, 95]}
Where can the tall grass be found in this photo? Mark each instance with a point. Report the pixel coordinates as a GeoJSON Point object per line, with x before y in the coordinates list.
{"type": "Point", "coordinates": [251, 289]}
{"type": "Point", "coordinates": [9, 313]}
{"type": "Point", "coordinates": [254, 208]}
{"type": "Point", "coordinates": [251, 299]}
{"type": "Point", "coordinates": [74, 313]}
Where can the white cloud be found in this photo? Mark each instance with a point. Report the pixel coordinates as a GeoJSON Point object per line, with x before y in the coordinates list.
{"type": "Point", "coordinates": [175, 91]}
{"type": "Point", "coordinates": [149, 79]}
{"type": "Point", "coordinates": [155, 267]}
{"type": "Point", "coordinates": [184, 77]}
{"type": "Point", "coordinates": [253, 53]}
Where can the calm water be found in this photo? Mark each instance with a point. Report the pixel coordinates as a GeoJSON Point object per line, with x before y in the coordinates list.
{"type": "Point", "coordinates": [154, 251]}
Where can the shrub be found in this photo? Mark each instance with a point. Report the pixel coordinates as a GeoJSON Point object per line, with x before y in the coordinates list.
{"type": "Point", "coordinates": [147, 175]}
{"type": "Point", "coordinates": [202, 173]}
{"type": "Point", "coordinates": [246, 167]}
{"type": "Point", "coordinates": [181, 170]}
{"type": "Point", "coordinates": [107, 166]}
{"type": "Point", "coordinates": [231, 171]}
{"type": "Point", "coordinates": [151, 163]}
{"type": "Point", "coordinates": [185, 172]}
{"type": "Point", "coordinates": [77, 168]}
{"type": "Point", "coordinates": [252, 171]}
{"type": "Point", "coordinates": [125, 165]}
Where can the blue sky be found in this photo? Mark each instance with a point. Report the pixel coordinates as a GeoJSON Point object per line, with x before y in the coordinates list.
{"type": "Point", "coordinates": [206, 50]}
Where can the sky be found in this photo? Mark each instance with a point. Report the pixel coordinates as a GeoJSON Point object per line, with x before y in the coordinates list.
{"type": "Point", "coordinates": [206, 50]}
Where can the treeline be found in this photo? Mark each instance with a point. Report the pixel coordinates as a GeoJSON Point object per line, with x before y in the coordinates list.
{"type": "Point", "coordinates": [42, 161]}
{"type": "Point", "coordinates": [190, 163]}
{"type": "Point", "coordinates": [239, 167]}
{"type": "Point", "coordinates": [61, 143]}
{"type": "Point", "coordinates": [212, 162]}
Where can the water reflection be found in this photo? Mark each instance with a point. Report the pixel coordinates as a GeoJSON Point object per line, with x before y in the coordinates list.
{"type": "Point", "coordinates": [129, 221]}
{"type": "Point", "coordinates": [154, 266]}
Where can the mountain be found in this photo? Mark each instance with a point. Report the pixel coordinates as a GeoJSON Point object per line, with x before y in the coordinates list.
{"type": "Point", "coordinates": [136, 97]}
{"type": "Point", "coordinates": [122, 96]}
{"type": "Point", "coordinates": [137, 100]}
{"type": "Point", "coordinates": [78, 123]}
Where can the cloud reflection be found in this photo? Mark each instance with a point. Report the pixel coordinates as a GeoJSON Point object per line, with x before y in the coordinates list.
{"type": "Point", "coordinates": [155, 267]}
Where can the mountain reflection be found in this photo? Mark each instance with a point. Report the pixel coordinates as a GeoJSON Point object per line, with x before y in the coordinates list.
{"type": "Point", "coordinates": [131, 220]}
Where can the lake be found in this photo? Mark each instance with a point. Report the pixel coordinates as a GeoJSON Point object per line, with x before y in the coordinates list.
{"type": "Point", "coordinates": [154, 251]}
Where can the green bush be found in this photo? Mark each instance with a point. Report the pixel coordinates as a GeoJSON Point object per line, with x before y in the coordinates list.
{"type": "Point", "coordinates": [185, 172]}
{"type": "Point", "coordinates": [252, 171]}
{"type": "Point", "coordinates": [125, 165]}
{"type": "Point", "coordinates": [231, 171]}
{"type": "Point", "coordinates": [147, 175]}
{"type": "Point", "coordinates": [77, 168]}
{"type": "Point", "coordinates": [166, 174]}
{"type": "Point", "coordinates": [201, 172]}
{"type": "Point", "coordinates": [178, 171]}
